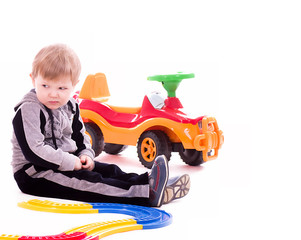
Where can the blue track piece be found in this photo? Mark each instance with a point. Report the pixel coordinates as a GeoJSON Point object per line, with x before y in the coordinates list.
{"type": "Point", "coordinates": [149, 218]}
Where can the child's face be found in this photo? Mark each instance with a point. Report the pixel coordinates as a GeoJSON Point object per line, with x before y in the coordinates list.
{"type": "Point", "coordinates": [53, 93]}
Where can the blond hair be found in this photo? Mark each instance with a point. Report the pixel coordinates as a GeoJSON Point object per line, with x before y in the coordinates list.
{"type": "Point", "coordinates": [56, 60]}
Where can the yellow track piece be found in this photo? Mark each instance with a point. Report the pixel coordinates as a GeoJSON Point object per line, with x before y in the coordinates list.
{"type": "Point", "coordinates": [49, 206]}
{"type": "Point", "coordinates": [9, 237]}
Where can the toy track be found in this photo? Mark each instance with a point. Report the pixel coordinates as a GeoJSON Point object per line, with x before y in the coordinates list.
{"type": "Point", "coordinates": [144, 218]}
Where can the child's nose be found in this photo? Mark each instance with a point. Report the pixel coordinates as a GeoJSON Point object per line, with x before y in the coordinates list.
{"type": "Point", "coordinates": [53, 94]}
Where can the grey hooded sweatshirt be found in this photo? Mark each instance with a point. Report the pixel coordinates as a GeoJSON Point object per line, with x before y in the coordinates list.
{"type": "Point", "coordinates": [48, 139]}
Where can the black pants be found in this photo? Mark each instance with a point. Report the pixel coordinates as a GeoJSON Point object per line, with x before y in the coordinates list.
{"type": "Point", "coordinates": [106, 183]}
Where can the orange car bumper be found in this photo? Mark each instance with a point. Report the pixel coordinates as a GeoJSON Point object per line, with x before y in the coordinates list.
{"type": "Point", "coordinates": [211, 139]}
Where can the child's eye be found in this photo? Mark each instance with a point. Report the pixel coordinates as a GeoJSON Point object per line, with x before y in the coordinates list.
{"type": "Point", "coordinates": [62, 88]}
{"type": "Point", "coordinates": [45, 86]}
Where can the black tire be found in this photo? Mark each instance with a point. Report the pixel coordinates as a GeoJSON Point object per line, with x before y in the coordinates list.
{"type": "Point", "coordinates": [96, 136]}
{"type": "Point", "coordinates": [114, 149]}
{"type": "Point", "coordinates": [191, 157]}
{"type": "Point", "coordinates": [152, 144]}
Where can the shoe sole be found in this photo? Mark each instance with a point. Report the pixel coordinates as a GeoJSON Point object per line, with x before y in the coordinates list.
{"type": "Point", "coordinates": [177, 190]}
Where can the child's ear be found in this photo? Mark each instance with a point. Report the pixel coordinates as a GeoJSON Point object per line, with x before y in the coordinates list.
{"type": "Point", "coordinates": [32, 79]}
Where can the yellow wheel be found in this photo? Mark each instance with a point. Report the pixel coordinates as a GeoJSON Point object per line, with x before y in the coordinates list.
{"type": "Point", "coordinates": [148, 149]}
{"type": "Point", "coordinates": [152, 144]}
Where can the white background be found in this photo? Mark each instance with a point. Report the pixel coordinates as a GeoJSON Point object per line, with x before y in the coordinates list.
{"type": "Point", "coordinates": [246, 56]}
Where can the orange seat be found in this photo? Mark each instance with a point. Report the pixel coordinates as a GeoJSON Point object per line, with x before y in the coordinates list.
{"type": "Point", "coordinates": [95, 88]}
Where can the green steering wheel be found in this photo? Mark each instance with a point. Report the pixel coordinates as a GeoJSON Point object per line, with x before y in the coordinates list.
{"type": "Point", "coordinates": [171, 81]}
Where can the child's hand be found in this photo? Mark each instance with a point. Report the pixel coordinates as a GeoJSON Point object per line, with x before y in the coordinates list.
{"type": "Point", "coordinates": [78, 164]}
{"type": "Point", "coordinates": [87, 162]}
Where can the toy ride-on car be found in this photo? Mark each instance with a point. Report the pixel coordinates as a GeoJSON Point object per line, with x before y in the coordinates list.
{"type": "Point", "coordinates": [157, 127]}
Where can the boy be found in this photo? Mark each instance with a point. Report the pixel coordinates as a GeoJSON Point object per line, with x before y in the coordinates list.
{"type": "Point", "coordinates": [52, 155]}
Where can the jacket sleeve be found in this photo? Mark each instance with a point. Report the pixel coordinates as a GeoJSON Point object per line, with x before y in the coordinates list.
{"type": "Point", "coordinates": [27, 128]}
{"type": "Point", "coordinates": [80, 137]}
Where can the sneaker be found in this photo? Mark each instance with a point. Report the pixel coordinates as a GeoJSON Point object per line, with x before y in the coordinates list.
{"type": "Point", "coordinates": [177, 187]}
{"type": "Point", "coordinates": [157, 181]}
